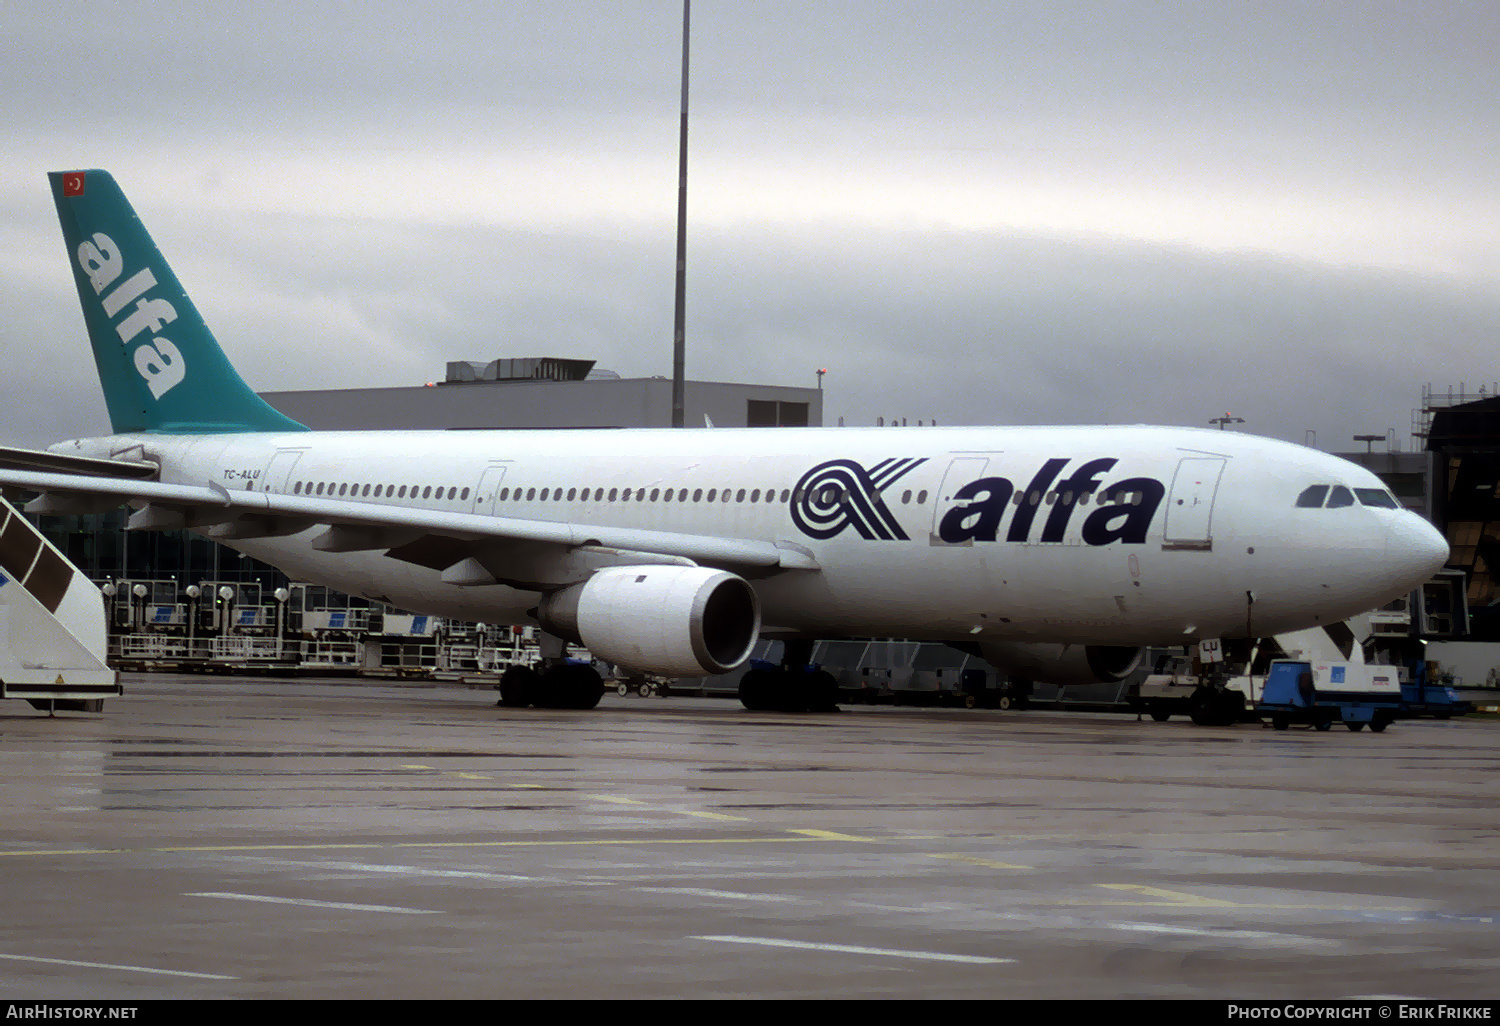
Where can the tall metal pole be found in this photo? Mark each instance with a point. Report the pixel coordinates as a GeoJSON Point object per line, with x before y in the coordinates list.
{"type": "Point", "coordinates": [679, 329]}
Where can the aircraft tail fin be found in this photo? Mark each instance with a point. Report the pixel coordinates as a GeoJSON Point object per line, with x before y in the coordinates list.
{"type": "Point", "coordinates": [159, 365]}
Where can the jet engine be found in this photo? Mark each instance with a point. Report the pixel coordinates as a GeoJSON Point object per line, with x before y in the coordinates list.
{"type": "Point", "coordinates": [675, 621]}
{"type": "Point", "coordinates": [1062, 664]}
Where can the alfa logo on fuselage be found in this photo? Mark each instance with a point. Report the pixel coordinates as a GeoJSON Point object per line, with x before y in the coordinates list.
{"type": "Point", "coordinates": [841, 494]}
{"type": "Point", "coordinates": [156, 360]}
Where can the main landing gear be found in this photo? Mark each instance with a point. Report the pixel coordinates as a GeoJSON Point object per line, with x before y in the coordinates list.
{"type": "Point", "coordinates": [562, 685]}
{"type": "Point", "coordinates": [794, 686]}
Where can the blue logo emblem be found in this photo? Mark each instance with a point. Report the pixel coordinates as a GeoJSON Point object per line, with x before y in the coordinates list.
{"type": "Point", "coordinates": [840, 494]}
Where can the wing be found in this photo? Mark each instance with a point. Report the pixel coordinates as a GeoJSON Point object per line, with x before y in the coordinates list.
{"type": "Point", "coordinates": [468, 548]}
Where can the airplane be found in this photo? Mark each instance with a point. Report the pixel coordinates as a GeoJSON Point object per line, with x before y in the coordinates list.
{"type": "Point", "coordinates": [1058, 553]}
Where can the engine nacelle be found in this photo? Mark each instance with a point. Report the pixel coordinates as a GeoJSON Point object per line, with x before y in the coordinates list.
{"type": "Point", "coordinates": [1062, 664]}
{"type": "Point", "coordinates": [674, 621]}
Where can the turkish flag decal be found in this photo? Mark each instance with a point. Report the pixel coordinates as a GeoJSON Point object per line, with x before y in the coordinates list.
{"type": "Point", "coordinates": [73, 183]}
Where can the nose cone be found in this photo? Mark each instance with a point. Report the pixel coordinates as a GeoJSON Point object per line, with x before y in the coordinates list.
{"type": "Point", "coordinates": [1414, 551]}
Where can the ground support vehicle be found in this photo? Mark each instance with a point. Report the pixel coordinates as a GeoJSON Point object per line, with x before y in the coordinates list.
{"type": "Point", "coordinates": [1322, 694]}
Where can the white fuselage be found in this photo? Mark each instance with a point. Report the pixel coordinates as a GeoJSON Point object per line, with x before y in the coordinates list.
{"type": "Point", "coordinates": [1089, 535]}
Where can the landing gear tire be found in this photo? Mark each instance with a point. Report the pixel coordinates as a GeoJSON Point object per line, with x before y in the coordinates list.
{"type": "Point", "coordinates": [1211, 707]}
{"type": "Point", "coordinates": [757, 690]}
{"type": "Point", "coordinates": [570, 686]}
{"type": "Point", "coordinates": [821, 691]}
{"type": "Point", "coordinates": [518, 687]}
{"type": "Point", "coordinates": [768, 690]}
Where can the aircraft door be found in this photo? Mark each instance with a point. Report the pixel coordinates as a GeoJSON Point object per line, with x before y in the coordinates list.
{"type": "Point", "coordinates": [487, 491]}
{"type": "Point", "coordinates": [960, 472]}
{"type": "Point", "coordinates": [1190, 505]}
{"type": "Point", "coordinates": [278, 473]}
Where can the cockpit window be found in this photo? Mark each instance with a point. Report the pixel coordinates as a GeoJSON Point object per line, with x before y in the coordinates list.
{"type": "Point", "coordinates": [1313, 497]}
{"type": "Point", "coordinates": [1377, 497]}
{"type": "Point", "coordinates": [1340, 496]}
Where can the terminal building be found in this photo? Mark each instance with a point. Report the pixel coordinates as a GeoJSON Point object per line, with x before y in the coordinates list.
{"type": "Point", "coordinates": [547, 392]}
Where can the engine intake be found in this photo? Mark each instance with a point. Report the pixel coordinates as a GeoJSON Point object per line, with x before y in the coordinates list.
{"type": "Point", "coordinates": [673, 621]}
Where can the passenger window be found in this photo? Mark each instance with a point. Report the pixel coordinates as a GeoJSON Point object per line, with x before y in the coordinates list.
{"type": "Point", "coordinates": [1313, 497]}
{"type": "Point", "coordinates": [1340, 496]}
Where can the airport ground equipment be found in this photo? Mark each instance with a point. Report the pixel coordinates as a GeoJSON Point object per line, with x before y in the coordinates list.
{"type": "Point", "coordinates": [53, 635]}
{"type": "Point", "coordinates": [1423, 696]}
{"type": "Point", "coordinates": [1217, 686]}
{"type": "Point", "coordinates": [1320, 694]}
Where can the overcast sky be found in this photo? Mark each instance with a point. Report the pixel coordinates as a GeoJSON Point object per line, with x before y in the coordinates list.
{"type": "Point", "coordinates": [976, 212]}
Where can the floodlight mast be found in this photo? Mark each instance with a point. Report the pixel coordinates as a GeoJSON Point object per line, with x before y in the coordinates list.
{"type": "Point", "coordinates": [679, 329]}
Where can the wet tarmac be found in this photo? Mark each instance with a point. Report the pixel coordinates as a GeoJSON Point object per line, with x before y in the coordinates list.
{"type": "Point", "coordinates": [220, 837]}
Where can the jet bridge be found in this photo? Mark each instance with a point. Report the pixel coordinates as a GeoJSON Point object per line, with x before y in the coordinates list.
{"type": "Point", "coordinates": [53, 635]}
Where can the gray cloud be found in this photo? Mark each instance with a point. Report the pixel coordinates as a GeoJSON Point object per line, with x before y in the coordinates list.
{"type": "Point", "coordinates": [986, 212]}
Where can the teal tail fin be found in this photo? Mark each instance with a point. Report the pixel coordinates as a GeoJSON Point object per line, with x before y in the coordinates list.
{"type": "Point", "coordinates": [160, 367]}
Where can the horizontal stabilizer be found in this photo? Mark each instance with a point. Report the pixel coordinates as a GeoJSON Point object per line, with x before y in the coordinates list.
{"type": "Point", "coordinates": [62, 463]}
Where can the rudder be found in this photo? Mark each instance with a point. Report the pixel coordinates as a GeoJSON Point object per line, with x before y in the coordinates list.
{"type": "Point", "coordinates": [160, 367]}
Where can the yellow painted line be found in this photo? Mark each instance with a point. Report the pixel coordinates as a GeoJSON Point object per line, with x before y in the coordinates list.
{"type": "Point", "coordinates": [974, 860]}
{"type": "Point", "coordinates": [829, 835]}
{"type": "Point", "coordinates": [615, 800]}
{"type": "Point", "coordinates": [779, 839]}
{"type": "Point", "coordinates": [1171, 897]}
{"type": "Point", "coordinates": [715, 815]}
